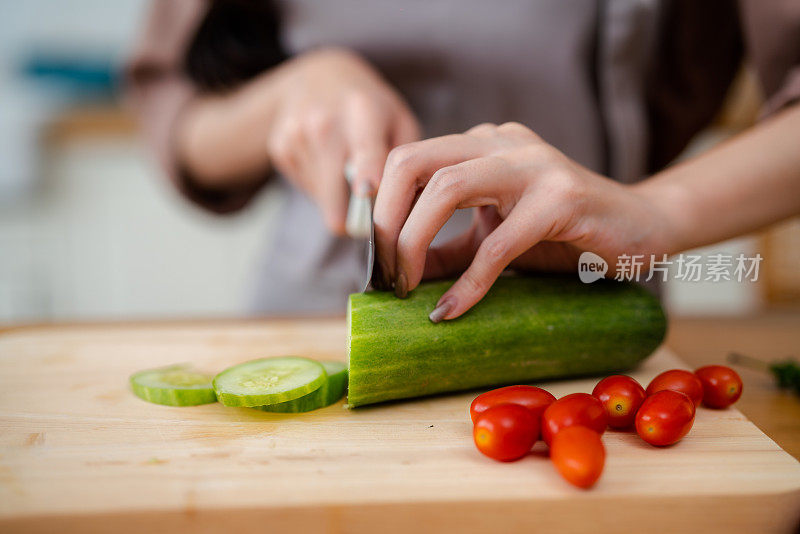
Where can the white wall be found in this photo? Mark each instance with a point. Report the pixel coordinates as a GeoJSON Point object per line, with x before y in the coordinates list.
{"type": "Point", "coordinates": [107, 238]}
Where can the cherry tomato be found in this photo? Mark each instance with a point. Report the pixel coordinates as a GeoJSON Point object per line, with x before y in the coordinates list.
{"type": "Point", "coordinates": [678, 380]}
{"type": "Point", "coordinates": [506, 432]}
{"type": "Point", "coordinates": [722, 386]}
{"type": "Point", "coordinates": [579, 455]}
{"type": "Point", "coordinates": [531, 397]}
{"type": "Point", "coordinates": [665, 417]}
{"type": "Point", "coordinates": [621, 397]}
{"type": "Point", "coordinates": [570, 410]}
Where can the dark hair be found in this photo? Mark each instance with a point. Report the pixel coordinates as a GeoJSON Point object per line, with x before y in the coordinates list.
{"type": "Point", "coordinates": [236, 41]}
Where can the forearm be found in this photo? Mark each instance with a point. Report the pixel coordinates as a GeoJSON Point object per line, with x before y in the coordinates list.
{"type": "Point", "coordinates": [746, 183]}
{"type": "Point", "coordinates": [220, 140]}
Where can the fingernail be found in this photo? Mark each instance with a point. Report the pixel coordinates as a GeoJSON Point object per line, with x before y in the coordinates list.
{"type": "Point", "coordinates": [441, 309]}
{"type": "Point", "coordinates": [401, 285]}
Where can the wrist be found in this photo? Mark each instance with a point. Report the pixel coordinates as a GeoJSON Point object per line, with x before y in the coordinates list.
{"type": "Point", "coordinates": [214, 139]}
{"type": "Point", "coordinates": [672, 206]}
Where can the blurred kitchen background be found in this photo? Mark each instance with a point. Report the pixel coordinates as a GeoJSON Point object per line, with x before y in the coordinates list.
{"type": "Point", "coordinates": [89, 230]}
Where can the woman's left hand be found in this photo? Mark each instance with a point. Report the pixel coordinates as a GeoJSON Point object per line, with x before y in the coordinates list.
{"type": "Point", "coordinates": [537, 210]}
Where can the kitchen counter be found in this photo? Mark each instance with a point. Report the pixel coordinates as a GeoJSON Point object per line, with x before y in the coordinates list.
{"type": "Point", "coordinates": [80, 453]}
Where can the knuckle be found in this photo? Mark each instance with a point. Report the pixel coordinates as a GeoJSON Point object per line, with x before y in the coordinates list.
{"type": "Point", "coordinates": [472, 284]}
{"type": "Point", "coordinates": [495, 250]}
{"type": "Point", "coordinates": [518, 130]}
{"type": "Point", "coordinates": [334, 52]}
{"type": "Point", "coordinates": [483, 128]}
{"type": "Point", "coordinates": [541, 154]}
{"type": "Point", "coordinates": [362, 102]}
{"type": "Point", "coordinates": [444, 181]}
{"type": "Point", "coordinates": [405, 243]}
{"type": "Point", "coordinates": [401, 157]}
{"type": "Point", "coordinates": [513, 127]}
{"type": "Point", "coordinates": [567, 187]}
{"type": "Point", "coordinates": [319, 123]}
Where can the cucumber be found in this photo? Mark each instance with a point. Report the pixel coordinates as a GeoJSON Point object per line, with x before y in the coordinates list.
{"type": "Point", "coordinates": [176, 385]}
{"type": "Point", "coordinates": [331, 391]}
{"type": "Point", "coordinates": [268, 381]}
{"type": "Point", "coordinates": [525, 329]}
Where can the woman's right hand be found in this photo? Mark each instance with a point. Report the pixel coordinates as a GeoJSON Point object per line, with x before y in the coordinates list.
{"type": "Point", "coordinates": [332, 107]}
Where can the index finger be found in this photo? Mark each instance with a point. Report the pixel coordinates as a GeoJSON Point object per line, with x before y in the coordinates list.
{"type": "Point", "coordinates": [367, 133]}
{"type": "Point", "coordinates": [408, 168]}
{"type": "Point", "coordinates": [528, 223]}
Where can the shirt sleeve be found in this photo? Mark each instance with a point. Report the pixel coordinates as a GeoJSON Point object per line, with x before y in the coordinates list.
{"type": "Point", "coordinates": [158, 89]}
{"type": "Point", "coordinates": [772, 36]}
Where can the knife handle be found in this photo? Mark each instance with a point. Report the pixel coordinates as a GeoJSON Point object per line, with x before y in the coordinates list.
{"type": "Point", "coordinates": [359, 210]}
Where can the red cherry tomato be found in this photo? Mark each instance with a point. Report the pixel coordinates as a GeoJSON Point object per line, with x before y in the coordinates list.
{"type": "Point", "coordinates": [678, 380]}
{"type": "Point", "coordinates": [722, 386]}
{"type": "Point", "coordinates": [665, 417]}
{"type": "Point", "coordinates": [506, 432]}
{"type": "Point", "coordinates": [575, 409]}
{"type": "Point", "coordinates": [579, 455]}
{"type": "Point", "coordinates": [531, 397]}
{"type": "Point", "coordinates": [621, 397]}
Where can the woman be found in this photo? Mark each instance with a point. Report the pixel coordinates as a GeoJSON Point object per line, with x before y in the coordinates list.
{"type": "Point", "coordinates": [235, 94]}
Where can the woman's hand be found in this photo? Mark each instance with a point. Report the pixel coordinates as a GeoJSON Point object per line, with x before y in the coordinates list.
{"type": "Point", "coordinates": [305, 118]}
{"type": "Point", "coordinates": [334, 108]}
{"type": "Point", "coordinates": [537, 209]}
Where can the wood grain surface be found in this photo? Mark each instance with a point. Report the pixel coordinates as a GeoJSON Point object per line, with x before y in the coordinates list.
{"type": "Point", "coordinates": [80, 453]}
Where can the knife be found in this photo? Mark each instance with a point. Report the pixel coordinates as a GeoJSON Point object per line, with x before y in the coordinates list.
{"type": "Point", "coordinates": [359, 225]}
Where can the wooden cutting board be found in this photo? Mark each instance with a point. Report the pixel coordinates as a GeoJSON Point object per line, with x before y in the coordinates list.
{"type": "Point", "coordinates": [80, 453]}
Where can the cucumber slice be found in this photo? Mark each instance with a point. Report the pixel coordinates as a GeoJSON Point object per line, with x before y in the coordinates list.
{"type": "Point", "coordinates": [268, 381]}
{"type": "Point", "coordinates": [176, 385]}
{"type": "Point", "coordinates": [331, 391]}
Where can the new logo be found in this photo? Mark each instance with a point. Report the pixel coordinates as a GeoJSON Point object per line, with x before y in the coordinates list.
{"type": "Point", "coordinates": [591, 267]}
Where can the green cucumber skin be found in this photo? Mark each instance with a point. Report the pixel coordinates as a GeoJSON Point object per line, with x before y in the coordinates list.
{"type": "Point", "coordinates": [330, 392]}
{"type": "Point", "coordinates": [525, 329]}
{"type": "Point", "coordinates": [174, 397]}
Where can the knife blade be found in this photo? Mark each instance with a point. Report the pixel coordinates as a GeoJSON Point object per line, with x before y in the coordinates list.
{"type": "Point", "coordinates": [359, 225]}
